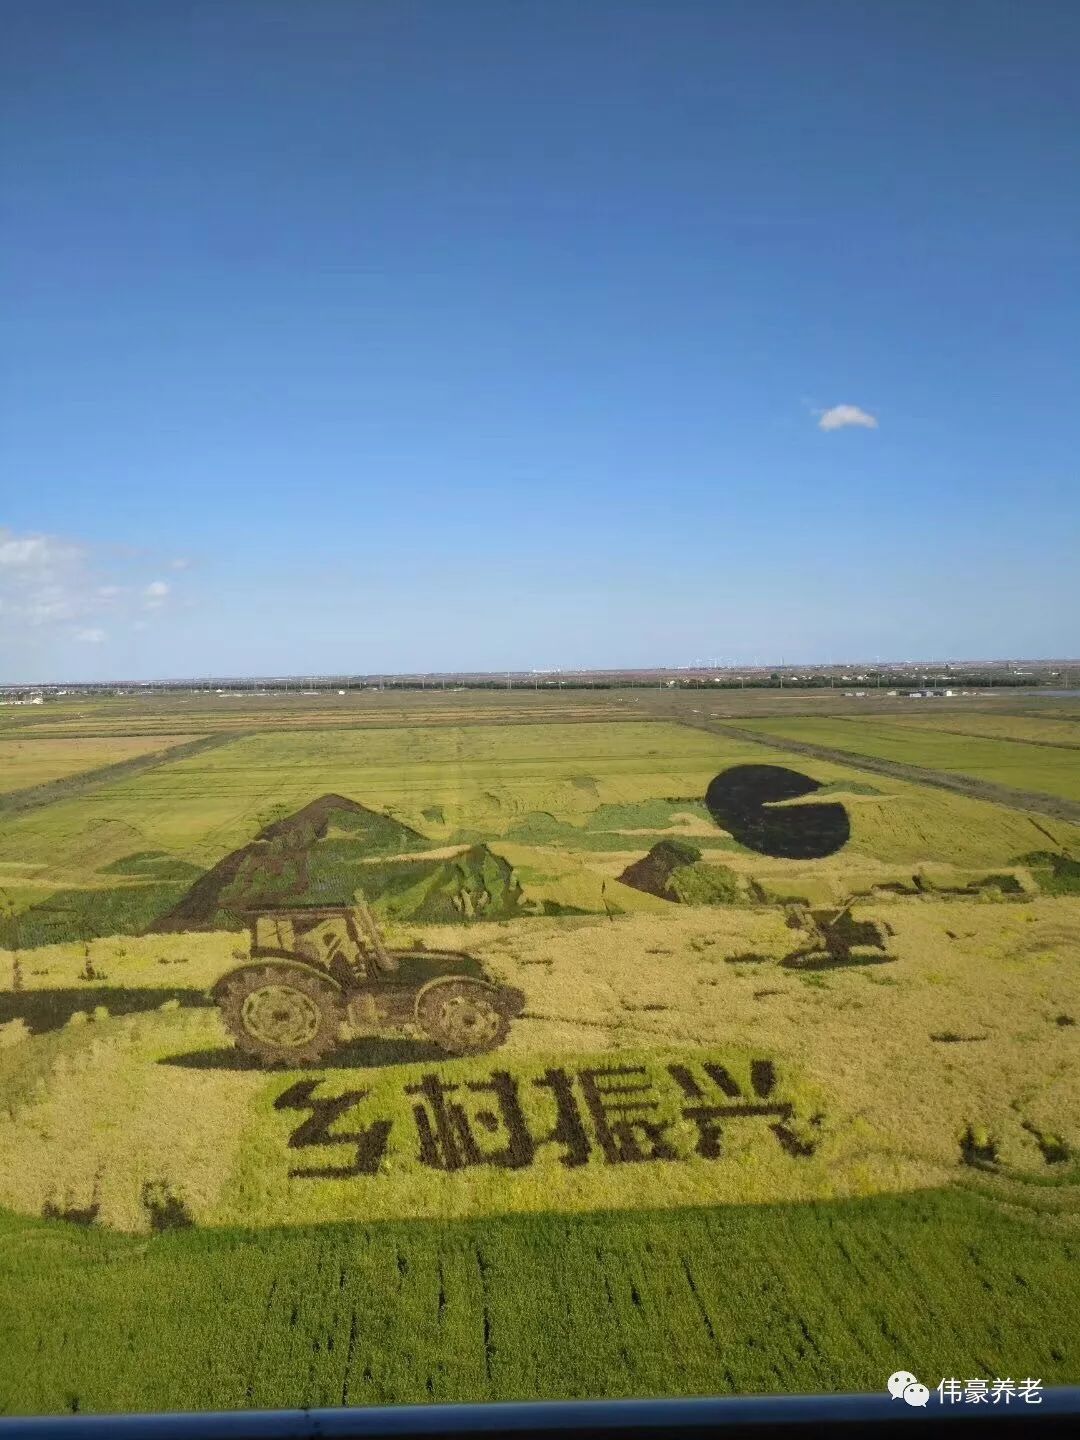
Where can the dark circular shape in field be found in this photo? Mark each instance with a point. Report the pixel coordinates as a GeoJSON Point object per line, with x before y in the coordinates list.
{"type": "Point", "coordinates": [740, 801]}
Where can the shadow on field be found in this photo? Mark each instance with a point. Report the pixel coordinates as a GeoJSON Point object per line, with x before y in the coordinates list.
{"type": "Point", "coordinates": [45, 1010]}
{"type": "Point", "coordinates": [369, 1052]}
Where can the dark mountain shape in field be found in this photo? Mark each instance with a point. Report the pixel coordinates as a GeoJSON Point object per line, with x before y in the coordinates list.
{"type": "Point", "coordinates": [742, 800]}
{"type": "Point", "coordinates": [654, 871]}
{"type": "Point", "coordinates": [314, 856]}
{"type": "Point", "coordinates": [198, 907]}
{"type": "Point", "coordinates": [380, 833]}
{"type": "Point", "coordinates": [673, 870]}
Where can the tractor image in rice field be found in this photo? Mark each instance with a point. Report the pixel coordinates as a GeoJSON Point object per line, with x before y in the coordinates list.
{"type": "Point", "coordinates": [320, 977]}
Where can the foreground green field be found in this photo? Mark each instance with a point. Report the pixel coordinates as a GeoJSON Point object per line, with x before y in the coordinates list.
{"type": "Point", "coordinates": [735, 1300]}
{"type": "Point", "coordinates": [1004, 758]}
{"type": "Point", "coordinates": [793, 1097]}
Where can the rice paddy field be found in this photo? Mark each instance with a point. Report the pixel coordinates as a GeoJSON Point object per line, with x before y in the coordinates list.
{"type": "Point", "coordinates": [1038, 756]}
{"type": "Point", "coordinates": [26, 763]}
{"type": "Point", "coordinates": [605, 1055]}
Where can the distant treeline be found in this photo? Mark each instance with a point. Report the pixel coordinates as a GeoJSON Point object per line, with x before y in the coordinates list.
{"type": "Point", "coordinates": [704, 682]}
{"type": "Point", "coordinates": [871, 680]}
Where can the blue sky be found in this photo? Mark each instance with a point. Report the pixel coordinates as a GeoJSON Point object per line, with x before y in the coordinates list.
{"type": "Point", "coordinates": [390, 335]}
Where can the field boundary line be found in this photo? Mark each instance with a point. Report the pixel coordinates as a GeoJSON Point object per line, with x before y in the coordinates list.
{"type": "Point", "coordinates": [1056, 807]}
{"type": "Point", "coordinates": [34, 797]}
{"type": "Point", "coordinates": [419, 722]}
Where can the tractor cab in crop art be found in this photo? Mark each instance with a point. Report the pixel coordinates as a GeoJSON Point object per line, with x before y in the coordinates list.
{"type": "Point", "coordinates": [318, 976]}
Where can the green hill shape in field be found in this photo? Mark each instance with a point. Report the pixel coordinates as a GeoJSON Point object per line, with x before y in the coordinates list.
{"type": "Point", "coordinates": [320, 855]}
{"type": "Point", "coordinates": [673, 870]}
{"type": "Point", "coordinates": [329, 850]}
{"type": "Point", "coordinates": [153, 865]}
{"type": "Point", "coordinates": [475, 884]}
{"type": "Point", "coordinates": [151, 882]}
{"type": "Point", "coordinates": [1056, 874]}
{"type": "Point", "coordinates": [608, 827]}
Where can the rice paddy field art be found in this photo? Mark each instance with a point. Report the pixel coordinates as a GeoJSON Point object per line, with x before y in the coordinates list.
{"type": "Point", "coordinates": [493, 1049]}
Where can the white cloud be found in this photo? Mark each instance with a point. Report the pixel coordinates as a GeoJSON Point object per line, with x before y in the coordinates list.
{"type": "Point", "coordinates": [50, 583]}
{"type": "Point", "coordinates": [39, 578]}
{"type": "Point", "coordinates": [34, 554]}
{"type": "Point", "coordinates": [140, 625]}
{"type": "Point", "coordinates": [841, 416]}
{"type": "Point", "coordinates": [40, 604]}
{"type": "Point", "coordinates": [154, 595]}
{"type": "Point", "coordinates": [180, 563]}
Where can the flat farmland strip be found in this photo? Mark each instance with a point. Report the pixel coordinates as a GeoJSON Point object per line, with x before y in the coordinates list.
{"type": "Point", "coordinates": [32, 761]}
{"type": "Point", "coordinates": [999, 761]}
{"type": "Point", "coordinates": [750, 1300]}
{"type": "Point", "coordinates": [1031, 729]}
{"type": "Point", "coordinates": [177, 714]}
{"type": "Point", "coordinates": [48, 792]}
{"type": "Point", "coordinates": [206, 799]}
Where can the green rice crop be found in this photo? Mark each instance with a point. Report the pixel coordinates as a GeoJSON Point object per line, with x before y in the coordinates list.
{"type": "Point", "coordinates": [798, 1298]}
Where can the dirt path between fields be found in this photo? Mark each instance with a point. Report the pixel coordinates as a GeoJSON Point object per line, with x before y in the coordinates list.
{"type": "Point", "coordinates": [33, 797]}
{"type": "Point", "coordinates": [1056, 807]}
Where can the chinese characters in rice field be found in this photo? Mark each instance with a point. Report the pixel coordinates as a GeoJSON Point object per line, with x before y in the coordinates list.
{"type": "Point", "coordinates": [610, 1111]}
